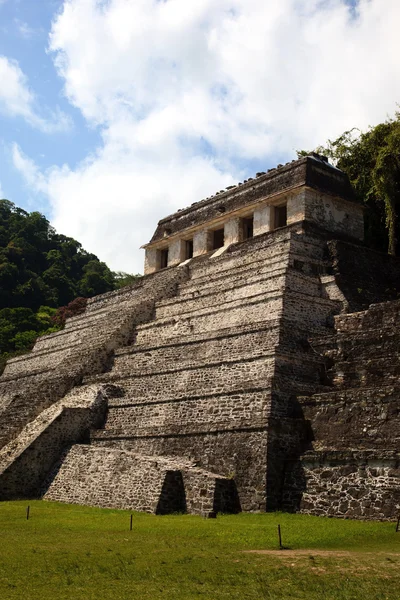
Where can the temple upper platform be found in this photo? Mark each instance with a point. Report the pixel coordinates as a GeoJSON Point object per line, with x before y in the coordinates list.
{"type": "Point", "coordinates": [308, 189]}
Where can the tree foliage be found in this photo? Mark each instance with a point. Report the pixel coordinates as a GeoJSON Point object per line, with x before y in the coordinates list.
{"type": "Point", "coordinates": [74, 308]}
{"type": "Point", "coordinates": [39, 267]}
{"type": "Point", "coordinates": [372, 161]}
{"type": "Point", "coordinates": [40, 271]}
{"type": "Point", "coordinates": [122, 279]}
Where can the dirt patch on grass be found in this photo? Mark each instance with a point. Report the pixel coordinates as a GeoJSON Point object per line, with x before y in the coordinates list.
{"type": "Point", "coordinates": [334, 553]}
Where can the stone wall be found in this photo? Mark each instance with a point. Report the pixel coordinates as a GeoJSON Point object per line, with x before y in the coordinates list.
{"type": "Point", "coordinates": [349, 465]}
{"type": "Point", "coordinates": [209, 377]}
{"type": "Point", "coordinates": [349, 484]}
{"type": "Point", "coordinates": [25, 461]}
{"type": "Point", "coordinates": [309, 171]}
{"type": "Point", "coordinates": [219, 399]}
{"type": "Point", "coordinates": [365, 276]}
{"type": "Point", "coordinates": [117, 478]}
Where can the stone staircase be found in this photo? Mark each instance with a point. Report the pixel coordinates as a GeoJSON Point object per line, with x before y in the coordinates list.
{"type": "Point", "coordinates": [58, 362]}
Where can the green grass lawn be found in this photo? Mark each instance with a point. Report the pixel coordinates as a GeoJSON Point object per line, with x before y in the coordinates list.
{"type": "Point", "coordinates": [80, 553]}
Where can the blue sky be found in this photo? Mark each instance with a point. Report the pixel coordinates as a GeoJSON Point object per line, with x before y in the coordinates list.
{"type": "Point", "coordinates": [114, 113]}
{"type": "Point", "coordinates": [24, 27]}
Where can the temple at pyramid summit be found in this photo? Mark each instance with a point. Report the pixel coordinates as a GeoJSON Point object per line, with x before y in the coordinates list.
{"type": "Point", "coordinates": [254, 367]}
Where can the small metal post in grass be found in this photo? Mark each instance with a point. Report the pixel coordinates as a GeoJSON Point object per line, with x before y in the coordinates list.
{"type": "Point", "coordinates": [398, 524]}
{"type": "Point", "coordinates": [27, 512]}
{"type": "Point", "coordinates": [280, 537]}
{"type": "Point", "coordinates": [130, 528]}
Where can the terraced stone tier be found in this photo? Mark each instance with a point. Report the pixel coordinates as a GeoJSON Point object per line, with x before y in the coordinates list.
{"type": "Point", "coordinates": [230, 344]}
{"type": "Point", "coordinates": [251, 290]}
{"type": "Point", "coordinates": [345, 483]}
{"type": "Point", "coordinates": [203, 412]}
{"type": "Point", "coordinates": [212, 378]}
{"type": "Point", "coordinates": [114, 478]}
{"type": "Point", "coordinates": [363, 418]}
{"type": "Point", "coordinates": [211, 319]}
{"type": "Point", "coordinates": [239, 275]}
{"type": "Point", "coordinates": [237, 453]}
{"type": "Point", "coordinates": [90, 348]}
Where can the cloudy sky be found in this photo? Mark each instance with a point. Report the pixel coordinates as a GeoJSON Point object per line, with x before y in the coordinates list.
{"type": "Point", "coordinates": [114, 113]}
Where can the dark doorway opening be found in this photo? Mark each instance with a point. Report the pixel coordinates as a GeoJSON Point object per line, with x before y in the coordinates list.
{"type": "Point", "coordinates": [248, 227]}
{"type": "Point", "coordinates": [218, 238]}
{"type": "Point", "coordinates": [188, 249]}
{"type": "Point", "coordinates": [172, 497]}
{"type": "Point", "coordinates": [164, 258]}
{"type": "Point", "coordinates": [280, 216]}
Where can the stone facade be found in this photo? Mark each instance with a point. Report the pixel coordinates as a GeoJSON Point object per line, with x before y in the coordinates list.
{"type": "Point", "coordinates": [238, 378]}
{"type": "Point", "coordinates": [308, 189]}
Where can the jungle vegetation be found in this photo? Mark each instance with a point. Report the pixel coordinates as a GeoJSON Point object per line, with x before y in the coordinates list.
{"type": "Point", "coordinates": [42, 274]}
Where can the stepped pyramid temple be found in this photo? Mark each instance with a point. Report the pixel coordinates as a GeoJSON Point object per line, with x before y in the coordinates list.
{"type": "Point", "coordinates": [254, 367]}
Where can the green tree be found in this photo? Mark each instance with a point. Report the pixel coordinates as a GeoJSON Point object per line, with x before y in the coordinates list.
{"type": "Point", "coordinates": [97, 279]}
{"type": "Point", "coordinates": [122, 279]}
{"type": "Point", "coordinates": [40, 271]}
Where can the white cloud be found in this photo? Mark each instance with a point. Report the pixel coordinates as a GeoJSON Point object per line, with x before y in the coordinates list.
{"type": "Point", "coordinates": [242, 79]}
{"type": "Point", "coordinates": [18, 100]}
{"type": "Point", "coordinates": [29, 170]}
{"type": "Point", "coordinates": [24, 29]}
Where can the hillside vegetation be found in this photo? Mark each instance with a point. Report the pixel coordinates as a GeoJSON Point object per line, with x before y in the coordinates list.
{"type": "Point", "coordinates": [41, 271]}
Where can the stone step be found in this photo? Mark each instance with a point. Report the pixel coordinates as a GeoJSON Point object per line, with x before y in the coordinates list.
{"type": "Point", "coordinates": [366, 372]}
{"type": "Point", "coordinates": [115, 437]}
{"type": "Point", "coordinates": [200, 380]}
{"type": "Point", "coordinates": [115, 478]}
{"type": "Point", "coordinates": [254, 264]}
{"type": "Point", "coordinates": [17, 384]}
{"type": "Point", "coordinates": [297, 308]}
{"type": "Point", "coordinates": [103, 314]}
{"type": "Point", "coordinates": [238, 290]}
{"type": "Point", "coordinates": [241, 270]}
{"type": "Point", "coordinates": [210, 319]}
{"type": "Point", "coordinates": [229, 281]}
{"type": "Point", "coordinates": [230, 344]}
{"type": "Point", "coordinates": [220, 297]}
{"type": "Point", "coordinates": [351, 394]}
{"type": "Point", "coordinates": [379, 342]}
{"type": "Point", "coordinates": [82, 335]}
{"type": "Point", "coordinates": [63, 338]}
{"type": "Point", "coordinates": [207, 411]}
{"type": "Point", "coordinates": [308, 311]}
{"type": "Point", "coordinates": [37, 362]}
{"type": "Point", "coordinates": [378, 315]}
{"type": "Point", "coordinates": [86, 319]}
{"type": "Point", "coordinates": [355, 418]}
{"type": "Point", "coordinates": [238, 258]}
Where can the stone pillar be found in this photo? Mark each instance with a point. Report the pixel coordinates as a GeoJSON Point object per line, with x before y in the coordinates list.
{"type": "Point", "coordinates": [202, 242]}
{"type": "Point", "coordinates": [151, 261]}
{"type": "Point", "coordinates": [263, 219]}
{"type": "Point", "coordinates": [296, 207]}
{"type": "Point", "coordinates": [232, 231]}
{"type": "Point", "coordinates": [176, 253]}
